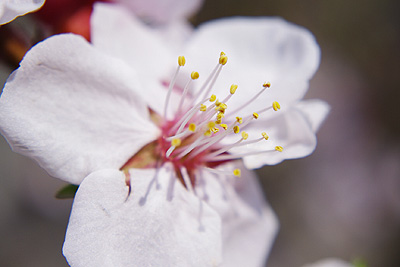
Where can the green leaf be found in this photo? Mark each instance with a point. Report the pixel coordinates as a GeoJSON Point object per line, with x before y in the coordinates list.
{"type": "Point", "coordinates": [359, 262]}
{"type": "Point", "coordinates": [67, 191]}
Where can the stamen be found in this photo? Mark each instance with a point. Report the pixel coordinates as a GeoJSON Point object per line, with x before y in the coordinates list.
{"type": "Point", "coordinates": [192, 146]}
{"type": "Point", "coordinates": [238, 156]}
{"type": "Point", "coordinates": [185, 119]}
{"type": "Point", "coordinates": [237, 172]}
{"type": "Point", "coordinates": [236, 144]}
{"type": "Point", "coordinates": [214, 130]}
{"type": "Point", "coordinates": [211, 141]}
{"type": "Point", "coordinates": [174, 144]}
{"type": "Point", "coordinates": [279, 148]}
{"type": "Point", "coordinates": [194, 76]}
{"type": "Point", "coordinates": [186, 179]}
{"type": "Point", "coordinates": [218, 104]}
{"type": "Point", "coordinates": [192, 127]}
{"type": "Point", "coordinates": [233, 88]}
{"type": "Point", "coordinates": [226, 148]}
{"type": "Point", "coordinates": [199, 92]}
{"type": "Point", "coordinates": [265, 86]}
{"type": "Point", "coordinates": [276, 106]}
{"type": "Point", "coordinates": [223, 59]}
{"type": "Point", "coordinates": [181, 63]}
{"type": "Point", "coordinates": [219, 118]}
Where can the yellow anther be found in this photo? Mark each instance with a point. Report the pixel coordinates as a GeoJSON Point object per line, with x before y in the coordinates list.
{"type": "Point", "coordinates": [223, 59]}
{"type": "Point", "coordinates": [265, 135]}
{"type": "Point", "coordinates": [224, 126]}
{"type": "Point", "coordinates": [276, 106]}
{"type": "Point", "coordinates": [237, 172]}
{"type": "Point", "coordinates": [214, 130]}
{"type": "Point", "coordinates": [217, 103]}
{"type": "Point", "coordinates": [195, 75]}
{"type": "Point", "coordinates": [218, 121]}
{"type": "Point", "coordinates": [192, 127]}
{"type": "Point", "coordinates": [233, 89]}
{"type": "Point", "coordinates": [176, 142]}
{"type": "Point", "coordinates": [245, 135]}
{"type": "Point", "coordinates": [211, 124]}
{"type": "Point", "coordinates": [279, 148]}
{"type": "Point", "coordinates": [255, 115]}
{"type": "Point", "coordinates": [222, 54]}
{"type": "Point", "coordinates": [267, 84]}
{"type": "Point", "coordinates": [221, 107]}
{"type": "Point", "coordinates": [239, 119]}
{"type": "Point", "coordinates": [220, 116]}
{"type": "Point", "coordinates": [203, 107]}
{"type": "Point", "coordinates": [181, 61]}
{"type": "Point", "coordinates": [212, 98]}
{"type": "Point", "coordinates": [236, 129]}
{"type": "Point", "coordinates": [208, 133]}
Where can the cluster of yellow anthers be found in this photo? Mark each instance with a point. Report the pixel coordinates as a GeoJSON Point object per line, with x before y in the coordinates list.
{"type": "Point", "coordinates": [197, 131]}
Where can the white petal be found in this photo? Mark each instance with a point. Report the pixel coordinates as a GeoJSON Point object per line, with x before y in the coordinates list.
{"type": "Point", "coordinates": [116, 32]}
{"type": "Point", "coordinates": [258, 50]}
{"type": "Point", "coordinates": [175, 34]}
{"type": "Point", "coordinates": [249, 225]}
{"type": "Point", "coordinates": [157, 225]}
{"type": "Point", "coordinates": [330, 262]}
{"type": "Point", "coordinates": [291, 130]}
{"type": "Point", "coordinates": [162, 11]}
{"type": "Point", "coordinates": [10, 9]}
{"type": "Point", "coordinates": [73, 109]}
{"type": "Point", "coordinates": [315, 111]}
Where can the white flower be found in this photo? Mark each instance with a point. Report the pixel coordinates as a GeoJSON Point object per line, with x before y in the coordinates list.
{"type": "Point", "coordinates": [159, 191]}
{"type": "Point", "coordinates": [10, 9]}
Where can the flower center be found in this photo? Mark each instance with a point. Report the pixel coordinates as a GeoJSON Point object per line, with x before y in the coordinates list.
{"type": "Point", "coordinates": [194, 137]}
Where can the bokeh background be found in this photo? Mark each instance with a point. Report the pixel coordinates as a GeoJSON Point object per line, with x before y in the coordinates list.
{"type": "Point", "coordinates": [342, 201]}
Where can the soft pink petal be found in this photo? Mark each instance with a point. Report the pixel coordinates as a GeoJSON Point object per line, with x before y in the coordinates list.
{"type": "Point", "coordinates": [174, 35]}
{"type": "Point", "coordinates": [162, 11]}
{"type": "Point", "coordinates": [315, 111]}
{"type": "Point", "coordinates": [249, 225]}
{"type": "Point", "coordinates": [258, 49]}
{"type": "Point", "coordinates": [159, 224]}
{"type": "Point", "coordinates": [118, 33]}
{"type": "Point", "coordinates": [10, 9]}
{"type": "Point", "coordinates": [73, 109]}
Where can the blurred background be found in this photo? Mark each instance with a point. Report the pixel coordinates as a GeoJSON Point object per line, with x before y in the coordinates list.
{"type": "Point", "coordinates": [342, 201]}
